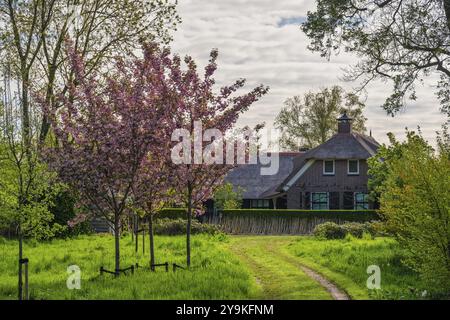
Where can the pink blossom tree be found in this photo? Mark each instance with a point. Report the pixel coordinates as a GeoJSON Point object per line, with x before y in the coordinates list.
{"type": "Point", "coordinates": [108, 130]}
{"type": "Point", "coordinates": [154, 189]}
{"type": "Point", "coordinates": [198, 102]}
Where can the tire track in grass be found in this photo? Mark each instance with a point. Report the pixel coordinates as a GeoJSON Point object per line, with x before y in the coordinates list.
{"type": "Point", "coordinates": [276, 278]}
{"type": "Point", "coordinates": [280, 275]}
{"type": "Point", "coordinates": [335, 292]}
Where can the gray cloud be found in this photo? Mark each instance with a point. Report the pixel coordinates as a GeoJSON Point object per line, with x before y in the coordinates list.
{"type": "Point", "coordinates": [261, 40]}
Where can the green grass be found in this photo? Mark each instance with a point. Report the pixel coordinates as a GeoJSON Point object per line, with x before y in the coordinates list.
{"type": "Point", "coordinates": [234, 267]}
{"type": "Point", "coordinates": [215, 273]}
{"type": "Point", "coordinates": [345, 262]}
{"type": "Point", "coordinates": [277, 278]}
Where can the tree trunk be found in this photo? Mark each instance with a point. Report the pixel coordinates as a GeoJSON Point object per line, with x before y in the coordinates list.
{"type": "Point", "coordinates": [188, 227]}
{"type": "Point", "coordinates": [117, 243]}
{"type": "Point", "coordinates": [20, 264]}
{"type": "Point", "coordinates": [26, 127]}
{"type": "Point", "coordinates": [152, 243]}
{"type": "Point", "coordinates": [447, 12]}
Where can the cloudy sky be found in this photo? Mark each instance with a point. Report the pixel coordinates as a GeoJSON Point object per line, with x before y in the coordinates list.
{"type": "Point", "coordinates": [260, 40]}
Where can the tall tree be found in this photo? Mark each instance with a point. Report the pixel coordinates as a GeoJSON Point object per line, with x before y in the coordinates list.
{"type": "Point", "coordinates": [106, 133]}
{"type": "Point", "coordinates": [27, 188]}
{"type": "Point", "coordinates": [33, 32]}
{"type": "Point", "coordinates": [199, 104]}
{"type": "Point", "coordinates": [400, 41]}
{"type": "Point", "coordinates": [412, 182]}
{"type": "Point", "coordinates": [309, 122]}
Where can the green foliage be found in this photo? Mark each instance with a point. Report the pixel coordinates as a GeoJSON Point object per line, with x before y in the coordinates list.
{"type": "Point", "coordinates": [413, 183]}
{"type": "Point", "coordinates": [329, 230]}
{"type": "Point", "coordinates": [348, 215]}
{"type": "Point", "coordinates": [27, 191]}
{"type": "Point", "coordinates": [63, 209]}
{"type": "Point", "coordinates": [172, 213]}
{"type": "Point", "coordinates": [172, 227]}
{"type": "Point", "coordinates": [310, 121]}
{"type": "Point", "coordinates": [226, 197]}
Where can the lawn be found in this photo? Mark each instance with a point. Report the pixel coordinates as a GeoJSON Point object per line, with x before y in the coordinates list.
{"type": "Point", "coordinates": [215, 273]}
{"type": "Point", "coordinates": [345, 262]}
{"type": "Point", "coordinates": [224, 267]}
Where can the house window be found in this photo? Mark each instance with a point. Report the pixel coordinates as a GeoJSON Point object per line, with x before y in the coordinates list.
{"type": "Point", "coordinates": [353, 167]}
{"type": "Point", "coordinates": [328, 167]}
{"type": "Point", "coordinates": [349, 200]}
{"type": "Point", "coordinates": [319, 201]}
{"type": "Point", "coordinates": [361, 201]}
{"type": "Point", "coordinates": [260, 204]}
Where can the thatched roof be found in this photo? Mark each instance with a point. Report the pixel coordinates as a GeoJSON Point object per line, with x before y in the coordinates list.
{"type": "Point", "coordinates": [345, 146]}
{"type": "Point", "coordinates": [255, 185]}
{"type": "Point", "coordinates": [341, 146]}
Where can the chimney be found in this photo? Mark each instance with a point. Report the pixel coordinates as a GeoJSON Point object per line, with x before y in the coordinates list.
{"type": "Point", "coordinates": [344, 124]}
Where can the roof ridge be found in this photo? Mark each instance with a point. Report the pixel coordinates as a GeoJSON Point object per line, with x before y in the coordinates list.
{"type": "Point", "coordinates": [361, 141]}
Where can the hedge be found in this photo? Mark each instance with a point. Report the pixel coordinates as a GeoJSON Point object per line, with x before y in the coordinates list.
{"type": "Point", "coordinates": [350, 215]}
{"type": "Point", "coordinates": [172, 213]}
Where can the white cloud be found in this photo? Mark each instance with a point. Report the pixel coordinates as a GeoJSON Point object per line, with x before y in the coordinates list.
{"type": "Point", "coordinates": [260, 40]}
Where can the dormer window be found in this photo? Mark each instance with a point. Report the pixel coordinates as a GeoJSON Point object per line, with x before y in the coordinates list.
{"type": "Point", "coordinates": [328, 167]}
{"type": "Point", "coordinates": [353, 167]}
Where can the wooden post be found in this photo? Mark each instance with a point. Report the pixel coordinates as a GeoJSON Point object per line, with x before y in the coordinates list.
{"type": "Point", "coordinates": [20, 265]}
{"type": "Point", "coordinates": [143, 241]}
{"type": "Point", "coordinates": [167, 266]}
{"type": "Point", "coordinates": [27, 297]}
{"type": "Point", "coordinates": [136, 233]}
{"type": "Point", "coordinates": [131, 223]}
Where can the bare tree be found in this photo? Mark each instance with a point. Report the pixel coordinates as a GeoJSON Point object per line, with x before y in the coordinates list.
{"type": "Point", "coordinates": [33, 33]}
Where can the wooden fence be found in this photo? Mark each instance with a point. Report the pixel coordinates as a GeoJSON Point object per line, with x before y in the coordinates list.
{"type": "Point", "coordinates": [273, 222]}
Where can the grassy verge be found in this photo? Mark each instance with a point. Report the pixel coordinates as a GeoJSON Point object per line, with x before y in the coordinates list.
{"type": "Point", "coordinates": [215, 274]}
{"type": "Point", "coordinates": [345, 263]}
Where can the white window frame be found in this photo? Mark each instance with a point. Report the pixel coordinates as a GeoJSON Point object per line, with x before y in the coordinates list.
{"type": "Point", "coordinates": [348, 167]}
{"type": "Point", "coordinates": [312, 204]}
{"type": "Point", "coordinates": [334, 168]}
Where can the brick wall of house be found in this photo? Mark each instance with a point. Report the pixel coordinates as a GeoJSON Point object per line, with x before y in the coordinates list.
{"type": "Point", "coordinates": [314, 180]}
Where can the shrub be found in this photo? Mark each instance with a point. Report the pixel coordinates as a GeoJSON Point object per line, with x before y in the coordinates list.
{"type": "Point", "coordinates": [329, 230]}
{"type": "Point", "coordinates": [173, 227]}
{"type": "Point", "coordinates": [355, 229]}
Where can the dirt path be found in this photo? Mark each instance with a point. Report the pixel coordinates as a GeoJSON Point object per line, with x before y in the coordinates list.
{"type": "Point", "coordinates": [282, 276]}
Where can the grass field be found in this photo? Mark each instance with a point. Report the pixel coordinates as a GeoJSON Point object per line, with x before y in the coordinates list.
{"type": "Point", "coordinates": [345, 262]}
{"type": "Point", "coordinates": [215, 274]}
{"type": "Point", "coordinates": [224, 267]}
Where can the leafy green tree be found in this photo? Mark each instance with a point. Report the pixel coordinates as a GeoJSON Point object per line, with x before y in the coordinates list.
{"type": "Point", "coordinates": [412, 181]}
{"type": "Point", "coordinates": [310, 121]}
{"type": "Point", "coordinates": [227, 197]}
{"type": "Point", "coordinates": [399, 41]}
{"type": "Point", "coordinates": [27, 187]}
